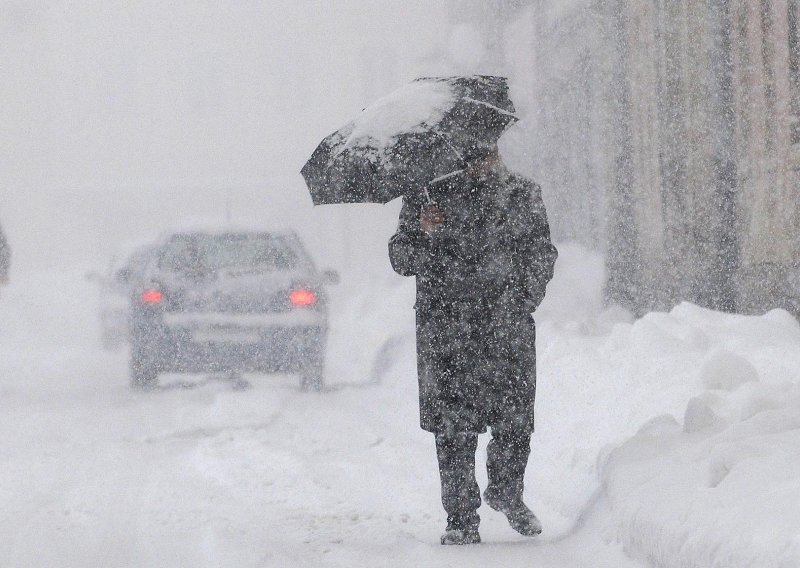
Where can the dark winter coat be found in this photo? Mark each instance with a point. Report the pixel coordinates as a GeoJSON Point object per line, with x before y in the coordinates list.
{"type": "Point", "coordinates": [5, 258]}
{"type": "Point", "coordinates": [479, 279]}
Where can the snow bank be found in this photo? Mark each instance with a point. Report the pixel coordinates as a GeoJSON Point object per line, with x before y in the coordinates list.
{"type": "Point", "coordinates": [674, 435]}
{"type": "Point", "coordinates": [715, 485]}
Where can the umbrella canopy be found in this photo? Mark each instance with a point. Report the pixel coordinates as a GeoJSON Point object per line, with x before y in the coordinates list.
{"type": "Point", "coordinates": [421, 132]}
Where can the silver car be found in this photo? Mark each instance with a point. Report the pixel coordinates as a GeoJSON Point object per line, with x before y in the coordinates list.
{"type": "Point", "coordinates": [230, 302]}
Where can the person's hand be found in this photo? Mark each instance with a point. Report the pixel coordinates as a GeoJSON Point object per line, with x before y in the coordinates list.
{"type": "Point", "coordinates": [431, 218]}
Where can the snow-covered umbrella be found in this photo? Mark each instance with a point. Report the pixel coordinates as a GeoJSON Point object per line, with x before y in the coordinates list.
{"type": "Point", "coordinates": [409, 139]}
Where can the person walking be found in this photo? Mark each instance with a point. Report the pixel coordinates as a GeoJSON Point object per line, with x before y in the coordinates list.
{"type": "Point", "coordinates": [5, 258]}
{"type": "Point", "coordinates": [479, 246]}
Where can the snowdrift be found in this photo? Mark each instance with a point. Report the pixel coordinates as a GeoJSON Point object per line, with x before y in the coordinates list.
{"type": "Point", "coordinates": [719, 484]}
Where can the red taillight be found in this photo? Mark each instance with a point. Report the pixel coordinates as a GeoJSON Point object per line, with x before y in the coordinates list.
{"type": "Point", "coordinates": [302, 297]}
{"type": "Point", "coordinates": [152, 296]}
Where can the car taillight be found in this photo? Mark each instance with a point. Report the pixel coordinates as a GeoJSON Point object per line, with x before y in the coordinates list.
{"type": "Point", "coordinates": [302, 297]}
{"type": "Point", "coordinates": [152, 296]}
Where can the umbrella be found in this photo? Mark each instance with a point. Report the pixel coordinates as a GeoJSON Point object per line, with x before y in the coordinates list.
{"type": "Point", "coordinates": [423, 132]}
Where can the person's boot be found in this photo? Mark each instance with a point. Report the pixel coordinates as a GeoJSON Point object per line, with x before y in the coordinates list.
{"type": "Point", "coordinates": [519, 516]}
{"type": "Point", "coordinates": [459, 532]}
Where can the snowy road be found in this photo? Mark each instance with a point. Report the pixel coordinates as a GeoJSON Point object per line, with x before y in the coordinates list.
{"type": "Point", "coordinates": [96, 475]}
{"type": "Point", "coordinates": [92, 474]}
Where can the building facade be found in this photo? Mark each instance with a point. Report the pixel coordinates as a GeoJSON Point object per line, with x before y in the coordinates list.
{"type": "Point", "coordinates": [670, 136]}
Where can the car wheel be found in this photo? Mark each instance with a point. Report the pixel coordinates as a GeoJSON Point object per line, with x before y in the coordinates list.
{"type": "Point", "coordinates": [143, 370]}
{"type": "Point", "coordinates": [312, 379]}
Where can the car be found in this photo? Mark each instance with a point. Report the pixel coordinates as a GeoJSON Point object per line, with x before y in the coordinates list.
{"type": "Point", "coordinates": [115, 285]}
{"type": "Point", "coordinates": [230, 301]}
{"type": "Point", "coordinates": [5, 258]}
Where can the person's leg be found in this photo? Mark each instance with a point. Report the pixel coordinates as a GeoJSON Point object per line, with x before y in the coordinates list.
{"type": "Point", "coordinates": [507, 458]}
{"type": "Point", "coordinates": [460, 493]}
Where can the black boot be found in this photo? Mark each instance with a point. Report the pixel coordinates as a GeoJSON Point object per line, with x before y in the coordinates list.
{"type": "Point", "coordinates": [458, 537]}
{"type": "Point", "coordinates": [519, 516]}
{"type": "Point", "coordinates": [460, 531]}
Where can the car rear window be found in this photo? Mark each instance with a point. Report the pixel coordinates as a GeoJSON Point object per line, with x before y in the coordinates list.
{"type": "Point", "coordinates": [198, 252]}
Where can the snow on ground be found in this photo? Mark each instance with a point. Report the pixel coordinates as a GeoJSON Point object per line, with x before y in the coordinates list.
{"type": "Point", "coordinates": [92, 474]}
{"type": "Point", "coordinates": [718, 485]}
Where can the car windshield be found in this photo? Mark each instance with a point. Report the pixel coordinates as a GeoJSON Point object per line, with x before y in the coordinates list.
{"type": "Point", "coordinates": [210, 253]}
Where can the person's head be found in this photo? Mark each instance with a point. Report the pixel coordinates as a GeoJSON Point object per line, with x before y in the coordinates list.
{"type": "Point", "coordinates": [482, 161]}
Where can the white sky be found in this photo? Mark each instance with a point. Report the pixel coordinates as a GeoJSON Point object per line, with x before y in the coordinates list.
{"type": "Point", "coordinates": [119, 118]}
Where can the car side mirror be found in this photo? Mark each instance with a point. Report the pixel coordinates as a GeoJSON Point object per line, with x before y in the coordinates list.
{"type": "Point", "coordinates": [123, 276]}
{"type": "Point", "coordinates": [330, 277]}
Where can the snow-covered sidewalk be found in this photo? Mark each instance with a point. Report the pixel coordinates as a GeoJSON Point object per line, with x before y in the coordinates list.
{"type": "Point", "coordinates": [672, 438]}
